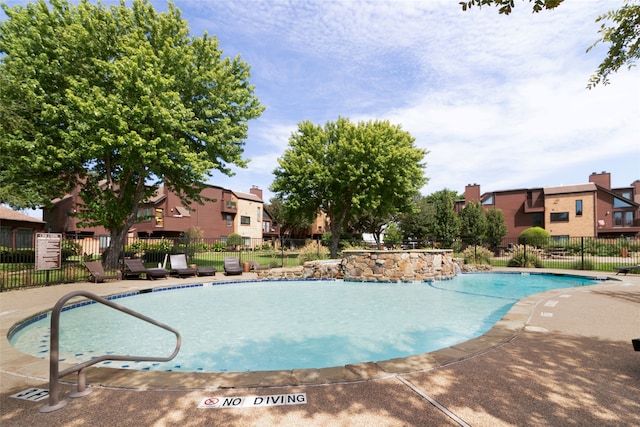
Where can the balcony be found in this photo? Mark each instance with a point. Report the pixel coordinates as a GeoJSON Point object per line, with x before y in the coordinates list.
{"type": "Point", "coordinates": [229, 207]}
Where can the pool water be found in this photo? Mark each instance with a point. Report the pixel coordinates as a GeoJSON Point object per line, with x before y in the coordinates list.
{"type": "Point", "coordinates": [287, 325]}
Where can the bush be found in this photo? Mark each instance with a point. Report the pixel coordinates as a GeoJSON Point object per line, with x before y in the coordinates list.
{"type": "Point", "coordinates": [219, 247]}
{"type": "Point", "coordinates": [529, 258]}
{"type": "Point", "coordinates": [16, 256]}
{"type": "Point", "coordinates": [536, 236]}
{"type": "Point", "coordinates": [477, 255]}
{"type": "Point", "coordinates": [312, 251]}
{"type": "Point", "coordinates": [70, 248]}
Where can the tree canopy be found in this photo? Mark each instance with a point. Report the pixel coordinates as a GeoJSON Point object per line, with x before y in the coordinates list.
{"type": "Point", "coordinates": [623, 33]}
{"type": "Point", "coordinates": [348, 169]}
{"type": "Point", "coordinates": [117, 101]}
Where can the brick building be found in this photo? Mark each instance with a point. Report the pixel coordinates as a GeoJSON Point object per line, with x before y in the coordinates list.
{"type": "Point", "coordinates": [593, 209]}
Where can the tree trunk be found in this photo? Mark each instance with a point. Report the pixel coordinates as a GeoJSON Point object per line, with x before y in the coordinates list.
{"type": "Point", "coordinates": [115, 250]}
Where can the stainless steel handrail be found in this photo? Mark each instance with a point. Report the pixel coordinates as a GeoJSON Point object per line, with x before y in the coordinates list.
{"type": "Point", "coordinates": [55, 374]}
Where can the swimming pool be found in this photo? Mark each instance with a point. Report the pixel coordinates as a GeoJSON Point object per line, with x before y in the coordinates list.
{"type": "Point", "coordinates": [287, 325]}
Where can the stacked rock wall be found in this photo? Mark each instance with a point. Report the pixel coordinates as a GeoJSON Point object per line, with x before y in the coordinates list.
{"type": "Point", "coordinates": [397, 266]}
{"type": "Point", "coordinates": [372, 266]}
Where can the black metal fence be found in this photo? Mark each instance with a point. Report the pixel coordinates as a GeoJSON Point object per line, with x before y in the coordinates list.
{"type": "Point", "coordinates": [18, 266]}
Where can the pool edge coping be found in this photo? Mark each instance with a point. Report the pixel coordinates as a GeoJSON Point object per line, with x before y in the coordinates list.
{"type": "Point", "coordinates": [505, 330]}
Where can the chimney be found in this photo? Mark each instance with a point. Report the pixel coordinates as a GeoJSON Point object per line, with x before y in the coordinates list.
{"type": "Point", "coordinates": [257, 191]}
{"type": "Point", "coordinates": [602, 179]}
{"type": "Point", "coordinates": [472, 193]}
{"type": "Point", "coordinates": [636, 190]}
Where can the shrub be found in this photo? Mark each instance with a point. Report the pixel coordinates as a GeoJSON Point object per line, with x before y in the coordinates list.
{"type": "Point", "coordinates": [477, 255]}
{"type": "Point", "coordinates": [15, 256]}
{"type": "Point", "coordinates": [234, 239]}
{"type": "Point", "coordinates": [218, 246]}
{"type": "Point", "coordinates": [529, 258]}
{"type": "Point", "coordinates": [312, 251]}
{"type": "Point", "coordinates": [536, 236]}
{"type": "Point", "coordinates": [70, 248]}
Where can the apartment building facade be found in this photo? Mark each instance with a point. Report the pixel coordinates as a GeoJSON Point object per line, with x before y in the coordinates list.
{"type": "Point", "coordinates": [165, 215]}
{"type": "Point", "coordinates": [593, 209]}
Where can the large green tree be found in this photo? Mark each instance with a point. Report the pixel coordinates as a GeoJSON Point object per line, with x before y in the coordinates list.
{"type": "Point", "coordinates": [620, 28]}
{"type": "Point", "coordinates": [347, 169]}
{"type": "Point", "coordinates": [117, 101]}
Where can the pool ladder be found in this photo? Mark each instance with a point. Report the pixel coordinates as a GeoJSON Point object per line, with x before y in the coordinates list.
{"type": "Point", "coordinates": [55, 374]}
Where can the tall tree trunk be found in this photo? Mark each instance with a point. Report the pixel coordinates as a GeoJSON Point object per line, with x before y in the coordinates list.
{"type": "Point", "coordinates": [115, 250]}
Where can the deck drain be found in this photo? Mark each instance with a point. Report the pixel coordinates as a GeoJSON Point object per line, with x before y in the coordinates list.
{"type": "Point", "coordinates": [32, 394]}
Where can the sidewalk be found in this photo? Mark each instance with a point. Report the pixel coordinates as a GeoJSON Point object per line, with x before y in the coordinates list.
{"type": "Point", "coordinates": [563, 357]}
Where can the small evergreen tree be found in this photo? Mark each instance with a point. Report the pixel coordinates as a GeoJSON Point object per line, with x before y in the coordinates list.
{"type": "Point", "coordinates": [496, 227]}
{"type": "Point", "coordinates": [473, 224]}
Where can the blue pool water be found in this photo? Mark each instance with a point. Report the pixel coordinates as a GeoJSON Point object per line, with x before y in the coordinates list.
{"type": "Point", "coordinates": [287, 325]}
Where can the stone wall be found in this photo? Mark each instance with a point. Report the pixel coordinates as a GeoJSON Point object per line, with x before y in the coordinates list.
{"type": "Point", "coordinates": [322, 269]}
{"type": "Point", "coordinates": [372, 266]}
{"type": "Point", "coordinates": [397, 266]}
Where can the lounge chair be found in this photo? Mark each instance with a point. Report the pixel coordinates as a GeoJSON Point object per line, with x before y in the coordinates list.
{"type": "Point", "coordinates": [179, 266]}
{"type": "Point", "coordinates": [624, 269]}
{"type": "Point", "coordinates": [232, 266]}
{"type": "Point", "coordinates": [135, 267]}
{"type": "Point", "coordinates": [97, 274]}
{"type": "Point", "coordinates": [206, 270]}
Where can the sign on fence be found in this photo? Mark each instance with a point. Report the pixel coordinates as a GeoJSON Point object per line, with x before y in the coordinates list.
{"type": "Point", "coordinates": [48, 251]}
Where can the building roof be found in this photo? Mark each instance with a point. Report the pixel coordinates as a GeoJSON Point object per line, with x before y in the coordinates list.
{"type": "Point", "coordinates": [567, 189]}
{"type": "Point", "coordinates": [247, 196]}
{"type": "Point", "coordinates": [10, 214]}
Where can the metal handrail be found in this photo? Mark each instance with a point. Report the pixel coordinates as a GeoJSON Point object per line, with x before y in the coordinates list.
{"type": "Point", "coordinates": [55, 374]}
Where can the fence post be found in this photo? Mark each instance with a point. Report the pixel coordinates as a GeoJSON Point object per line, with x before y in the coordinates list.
{"type": "Point", "coordinates": [282, 251]}
{"type": "Point", "coordinates": [524, 252]}
{"type": "Point", "coordinates": [582, 253]}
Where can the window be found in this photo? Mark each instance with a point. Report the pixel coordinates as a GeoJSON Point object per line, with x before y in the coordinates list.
{"type": "Point", "coordinates": [229, 219]}
{"type": "Point", "coordinates": [258, 217]}
{"type": "Point", "coordinates": [537, 219]}
{"type": "Point", "coordinates": [559, 216]}
{"type": "Point", "coordinates": [231, 205]}
{"type": "Point", "coordinates": [623, 219]}
{"type": "Point", "coordinates": [24, 238]}
{"type": "Point", "coordinates": [144, 215]}
{"type": "Point", "coordinates": [5, 236]}
{"type": "Point", "coordinates": [619, 203]}
{"type": "Point", "coordinates": [245, 220]}
{"type": "Point", "coordinates": [488, 200]}
{"type": "Point", "coordinates": [578, 207]}
{"type": "Point", "coordinates": [159, 218]}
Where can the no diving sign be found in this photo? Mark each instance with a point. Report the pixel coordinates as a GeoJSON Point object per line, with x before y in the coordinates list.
{"type": "Point", "coordinates": [253, 401]}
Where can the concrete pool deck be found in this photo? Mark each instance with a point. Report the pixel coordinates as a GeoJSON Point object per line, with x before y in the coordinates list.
{"type": "Point", "coordinates": [563, 357]}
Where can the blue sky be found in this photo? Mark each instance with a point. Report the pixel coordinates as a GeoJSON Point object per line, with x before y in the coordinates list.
{"type": "Point", "coordinates": [497, 100]}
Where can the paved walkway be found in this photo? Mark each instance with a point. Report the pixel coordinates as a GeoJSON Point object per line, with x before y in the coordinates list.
{"type": "Point", "coordinates": [563, 357]}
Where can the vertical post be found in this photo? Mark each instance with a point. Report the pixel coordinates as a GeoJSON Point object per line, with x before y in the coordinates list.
{"type": "Point", "coordinates": [582, 253]}
{"type": "Point", "coordinates": [54, 403]}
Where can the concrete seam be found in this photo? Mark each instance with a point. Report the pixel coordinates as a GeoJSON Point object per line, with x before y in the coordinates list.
{"type": "Point", "coordinates": [434, 402]}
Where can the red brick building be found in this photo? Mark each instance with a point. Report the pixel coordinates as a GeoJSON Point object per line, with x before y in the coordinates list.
{"type": "Point", "coordinates": [593, 209]}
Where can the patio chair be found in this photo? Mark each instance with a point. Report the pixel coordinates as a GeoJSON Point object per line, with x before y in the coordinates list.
{"type": "Point", "coordinates": [179, 266]}
{"type": "Point", "coordinates": [232, 266]}
{"type": "Point", "coordinates": [135, 267]}
{"type": "Point", "coordinates": [206, 270]}
{"type": "Point", "coordinates": [624, 269]}
{"type": "Point", "coordinates": [97, 274]}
